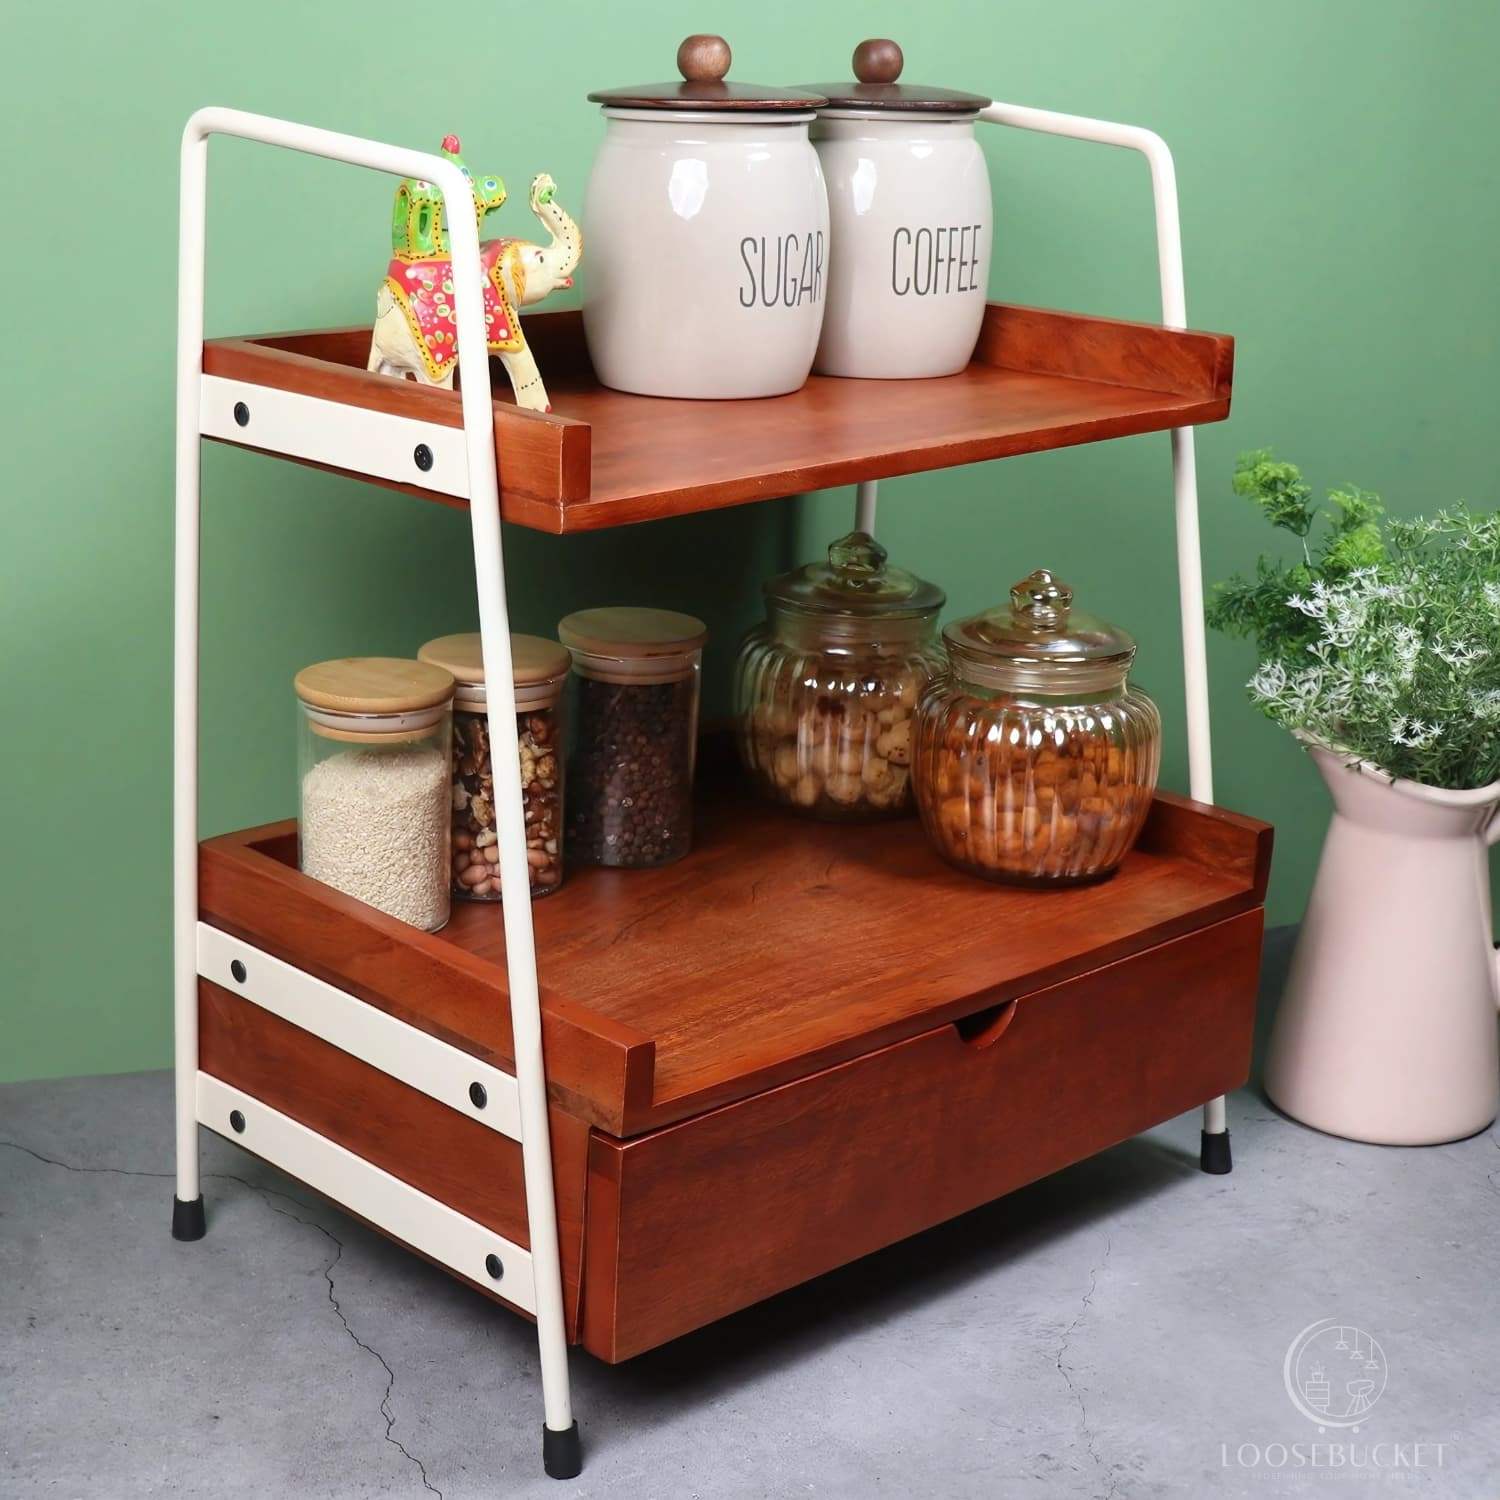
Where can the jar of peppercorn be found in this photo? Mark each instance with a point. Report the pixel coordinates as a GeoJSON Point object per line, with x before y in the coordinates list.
{"type": "Point", "coordinates": [540, 670]}
{"type": "Point", "coordinates": [826, 688]}
{"type": "Point", "coordinates": [635, 735]}
{"type": "Point", "coordinates": [1034, 759]}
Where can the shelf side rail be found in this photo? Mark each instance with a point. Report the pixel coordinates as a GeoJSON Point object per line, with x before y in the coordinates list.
{"type": "Point", "coordinates": [1184, 458]}
{"type": "Point", "coordinates": [560, 1441]}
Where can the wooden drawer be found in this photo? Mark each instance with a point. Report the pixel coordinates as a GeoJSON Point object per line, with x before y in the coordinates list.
{"type": "Point", "coordinates": [664, 1232]}
{"type": "Point", "coordinates": [699, 1219]}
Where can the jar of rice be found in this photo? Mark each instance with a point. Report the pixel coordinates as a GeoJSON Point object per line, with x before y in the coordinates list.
{"type": "Point", "coordinates": [373, 768]}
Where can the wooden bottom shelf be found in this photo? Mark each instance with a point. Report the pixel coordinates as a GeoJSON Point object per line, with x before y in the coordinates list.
{"type": "Point", "coordinates": [799, 1044]}
{"type": "Point", "coordinates": [776, 948]}
{"type": "Point", "coordinates": [668, 1231]}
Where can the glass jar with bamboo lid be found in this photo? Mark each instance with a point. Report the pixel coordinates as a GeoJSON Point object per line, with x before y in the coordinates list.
{"type": "Point", "coordinates": [539, 670]}
{"type": "Point", "coordinates": [636, 739]}
{"type": "Point", "coordinates": [373, 756]}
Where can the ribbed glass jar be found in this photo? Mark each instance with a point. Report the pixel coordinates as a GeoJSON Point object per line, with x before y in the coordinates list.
{"type": "Point", "coordinates": [1034, 760]}
{"type": "Point", "coordinates": [826, 688]}
{"type": "Point", "coordinates": [1032, 789]}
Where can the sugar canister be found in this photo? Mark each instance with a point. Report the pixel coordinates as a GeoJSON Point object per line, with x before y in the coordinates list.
{"type": "Point", "coordinates": [708, 235]}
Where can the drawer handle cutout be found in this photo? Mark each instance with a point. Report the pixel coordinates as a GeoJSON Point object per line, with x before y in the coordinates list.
{"type": "Point", "coordinates": [986, 1027]}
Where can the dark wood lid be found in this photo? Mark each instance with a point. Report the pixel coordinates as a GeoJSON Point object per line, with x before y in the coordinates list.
{"type": "Point", "coordinates": [704, 62]}
{"type": "Point", "coordinates": [877, 66]}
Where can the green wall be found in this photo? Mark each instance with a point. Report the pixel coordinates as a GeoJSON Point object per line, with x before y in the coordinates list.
{"type": "Point", "coordinates": [1336, 162]}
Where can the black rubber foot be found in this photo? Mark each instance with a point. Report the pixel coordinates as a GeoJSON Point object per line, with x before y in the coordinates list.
{"type": "Point", "coordinates": [187, 1219]}
{"type": "Point", "coordinates": [1215, 1155]}
{"type": "Point", "coordinates": [562, 1453]}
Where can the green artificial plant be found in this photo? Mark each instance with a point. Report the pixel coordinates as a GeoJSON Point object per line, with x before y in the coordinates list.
{"type": "Point", "coordinates": [1380, 638]}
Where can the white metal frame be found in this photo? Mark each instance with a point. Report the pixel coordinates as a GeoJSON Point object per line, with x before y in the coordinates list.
{"type": "Point", "coordinates": [1184, 458]}
{"type": "Point", "coordinates": [302, 426]}
{"type": "Point", "coordinates": [462, 462]}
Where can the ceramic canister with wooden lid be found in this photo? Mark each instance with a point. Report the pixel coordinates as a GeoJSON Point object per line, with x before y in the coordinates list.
{"type": "Point", "coordinates": [910, 218]}
{"type": "Point", "coordinates": [630, 776]}
{"type": "Point", "coordinates": [708, 235]}
{"type": "Point", "coordinates": [540, 670]}
{"type": "Point", "coordinates": [373, 755]}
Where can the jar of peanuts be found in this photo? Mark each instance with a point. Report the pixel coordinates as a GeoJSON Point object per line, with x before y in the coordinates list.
{"type": "Point", "coordinates": [826, 688]}
{"type": "Point", "coordinates": [540, 670]}
{"type": "Point", "coordinates": [1034, 759]}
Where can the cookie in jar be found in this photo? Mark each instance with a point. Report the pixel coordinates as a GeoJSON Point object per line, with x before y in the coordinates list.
{"type": "Point", "coordinates": [826, 688]}
{"type": "Point", "coordinates": [539, 670]}
{"type": "Point", "coordinates": [1035, 760]}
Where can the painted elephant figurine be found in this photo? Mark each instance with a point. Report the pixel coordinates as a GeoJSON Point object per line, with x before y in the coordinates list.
{"type": "Point", "coordinates": [415, 332]}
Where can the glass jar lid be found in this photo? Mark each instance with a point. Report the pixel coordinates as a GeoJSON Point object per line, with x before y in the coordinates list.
{"type": "Point", "coordinates": [856, 580]}
{"type": "Point", "coordinates": [373, 685]}
{"type": "Point", "coordinates": [537, 665]}
{"type": "Point", "coordinates": [373, 699]}
{"type": "Point", "coordinates": [621, 644]}
{"type": "Point", "coordinates": [704, 62]}
{"type": "Point", "coordinates": [877, 65]}
{"type": "Point", "coordinates": [1039, 642]}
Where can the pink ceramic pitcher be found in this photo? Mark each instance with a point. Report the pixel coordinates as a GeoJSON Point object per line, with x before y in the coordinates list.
{"type": "Point", "coordinates": [1387, 1029]}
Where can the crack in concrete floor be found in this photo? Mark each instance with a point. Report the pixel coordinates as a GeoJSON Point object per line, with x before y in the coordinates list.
{"type": "Point", "coordinates": [1062, 1349]}
{"type": "Point", "coordinates": [266, 1194]}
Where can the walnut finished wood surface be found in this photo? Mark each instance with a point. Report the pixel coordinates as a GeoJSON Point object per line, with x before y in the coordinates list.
{"type": "Point", "coordinates": [776, 948]}
{"type": "Point", "coordinates": [695, 1221]}
{"type": "Point", "coordinates": [1039, 380]}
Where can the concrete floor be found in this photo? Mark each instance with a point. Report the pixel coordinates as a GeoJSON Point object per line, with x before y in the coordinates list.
{"type": "Point", "coordinates": [1116, 1331]}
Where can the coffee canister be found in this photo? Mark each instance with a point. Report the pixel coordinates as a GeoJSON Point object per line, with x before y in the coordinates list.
{"type": "Point", "coordinates": [910, 222]}
{"type": "Point", "coordinates": [708, 235]}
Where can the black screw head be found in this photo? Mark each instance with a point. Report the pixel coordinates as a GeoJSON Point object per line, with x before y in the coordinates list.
{"type": "Point", "coordinates": [477, 1095]}
{"type": "Point", "coordinates": [238, 970]}
{"type": "Point", "coordinates": [493, 1266]}
{"type": "Point", "coordinates": [422, 457]}
{"type": "Point", "coordinates": [241, 414]}
{"type": "Point", "coordinates": [236, 1122]}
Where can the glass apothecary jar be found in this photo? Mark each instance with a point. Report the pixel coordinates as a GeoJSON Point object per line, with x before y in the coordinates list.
{"type": "Point", "coordinates": [826, 688]}
{"type": "Point", "coordinates": [539, 670]}
{"type": "Point", "coordinates": [635, 737]}
{"type": "Point", "coordinates": [1035, 760]}
{"type": "Point", "coordinates": [372, 762]}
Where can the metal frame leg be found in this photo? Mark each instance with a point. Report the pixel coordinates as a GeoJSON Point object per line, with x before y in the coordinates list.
{"type": "Point", "coordinates": [1215, 1141]}
{"type": "Point", "coordinates": [560, 1445]}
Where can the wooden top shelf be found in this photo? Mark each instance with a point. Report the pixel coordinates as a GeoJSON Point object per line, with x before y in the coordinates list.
{"type": "Point", "coordinates": [776, 948]}
{"type": "Point", "coordinates": [1038, 380]}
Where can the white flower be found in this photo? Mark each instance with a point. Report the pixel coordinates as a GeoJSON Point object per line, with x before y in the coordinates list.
{"type": "Point", "coordinates": [1269, 680]}
{"type": "Point", "coordinates": [1486, 705]}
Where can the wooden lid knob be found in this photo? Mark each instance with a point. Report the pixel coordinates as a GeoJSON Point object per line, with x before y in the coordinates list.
{"type": "Point", "coordinates": [877, 60]}
{"type": "Point", "coordinates": [703, 58]}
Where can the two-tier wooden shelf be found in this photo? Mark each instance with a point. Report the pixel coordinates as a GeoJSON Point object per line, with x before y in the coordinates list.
{"type": "Point", "coordinates": [798, 1044]}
